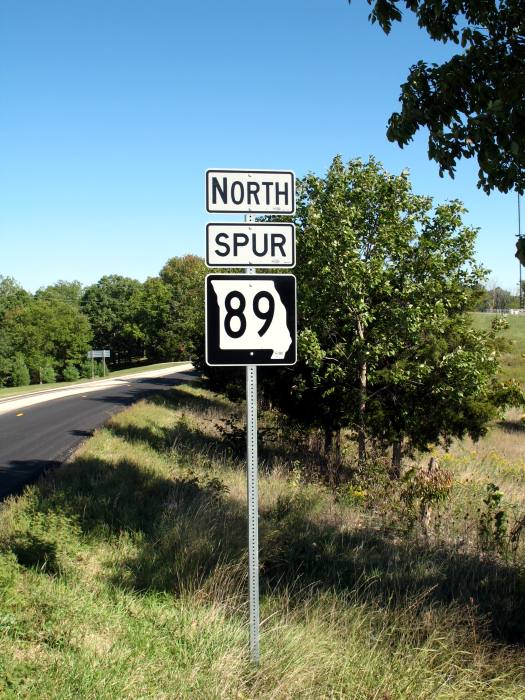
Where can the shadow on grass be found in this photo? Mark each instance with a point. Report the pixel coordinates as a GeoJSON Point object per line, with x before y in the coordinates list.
{"type": "Point", "coordinates": [181, 529]}
{"type": "Point", "coordinates": [512, 426]}
{"type": "Point", "coordinates": [394, 571]}
{"type": "Point", "coordinates": [32, 551]}
{"type": "Point", "coordinates": [181, 400]}
{"type": "Point", "coordinates": [20, 472]}
{"type": "Point", "coordinates": [184, 437]}
{"type": "Point", "coordinates": [180, 436]}
{"type": "Point", "coordinates": [185, 530]}
{"type": "Point", "coordinates": [104, 497]}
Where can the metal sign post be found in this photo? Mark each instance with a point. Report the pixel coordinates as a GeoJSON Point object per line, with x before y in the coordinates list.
{"type": "Point", "coordinates": [251, 319]}
{"type": "Point", "coordinates": [253, 509]}
{"type": "Point", "coordinates": [252, 491]}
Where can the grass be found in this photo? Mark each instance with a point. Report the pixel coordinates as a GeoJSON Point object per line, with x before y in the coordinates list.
{"type": "Point", "coordinates": [5, 392]}
{"type": "Point", "coordinates": [123, 575]}
{"type": "Point", "coordinates": [512, 362]}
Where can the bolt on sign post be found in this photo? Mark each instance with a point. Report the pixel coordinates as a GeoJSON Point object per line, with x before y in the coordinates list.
{"type": "Point", "coordinates": [251, 319]}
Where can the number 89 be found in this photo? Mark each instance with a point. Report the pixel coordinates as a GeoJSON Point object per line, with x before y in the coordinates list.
{"type": "Point", "coordinates": [238, 312]}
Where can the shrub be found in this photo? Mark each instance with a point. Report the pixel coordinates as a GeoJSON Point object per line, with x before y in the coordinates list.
{"type": "Point", "coordinates": [493, 522]}
{"type": "Point", "coordinates": [47, 373]}
{"type": "Point", "coordinates": [8, 574]}
{"type": "Point", "coordinates": [20, 375]}
{"type": "Point", "coordinates": [85, 369]}
{"type": "Point", "coordinates": [99, 369]}
{"type": "Point", "coordinates": [70, 373]}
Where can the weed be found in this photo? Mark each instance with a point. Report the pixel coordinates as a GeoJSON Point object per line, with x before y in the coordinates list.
{"type": "Point", "coordinates": [493, 522]}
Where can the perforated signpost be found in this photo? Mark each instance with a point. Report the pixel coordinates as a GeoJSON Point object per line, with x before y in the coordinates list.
{"type": "Point", "coordinates": [251, 319]}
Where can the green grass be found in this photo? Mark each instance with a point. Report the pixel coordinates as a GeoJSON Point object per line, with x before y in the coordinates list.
{"type": "Point", "coordinates": [123, 575]}
{"type": "Point", "coordinates": [512, 362]}
{"type": "Point", "coordinates": [5, 392]}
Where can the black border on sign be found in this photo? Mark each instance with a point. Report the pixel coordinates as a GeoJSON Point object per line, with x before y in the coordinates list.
{"type": "Point", "coordinates": [250, 211]}
{"type": "Point", "coordinates": [215, 357]}
{"type": "Point", "coordinates": [255, 224]}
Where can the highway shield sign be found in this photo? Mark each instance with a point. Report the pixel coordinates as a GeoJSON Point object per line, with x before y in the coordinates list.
{"type": "Point", "coordinates": [251, 320]}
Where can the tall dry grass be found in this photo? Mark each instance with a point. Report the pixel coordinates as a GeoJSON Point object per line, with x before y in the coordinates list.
{"type": "Point", "coordinates": [123, 575]}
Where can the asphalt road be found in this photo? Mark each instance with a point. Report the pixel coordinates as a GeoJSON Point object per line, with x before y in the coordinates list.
{"type": "Point", "coordinates": [39, 437]}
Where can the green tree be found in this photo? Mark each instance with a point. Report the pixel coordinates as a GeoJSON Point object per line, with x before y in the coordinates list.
{"type": "Point", "coordinates": [170, 309]}
{"type": "Point", "coordinates": [155, 316]}
{"type": "Point", "coordinates": [46, 372]}
{"type": "Point", "coordinates": [12, 296]}
{"type": "Point", "coordinates": [472, 104]}
{"type": "Point", "coordinates": [109, 306]}
{"type": "Point", "coordinates": [480, 300]}
{"type": "Point", "coordinates": [70, 373]}
{"type": "Point", "coordinates": [20, 372]}
{"type": "Point", "coordinates": [384, 280]}
{"type": "Point", "coordinates": [43, 329]}
{"type": "Point", "coordinates": [184, 277]}
{"type": "Point", "coordinates": [500, 298]}
{"type": "Point", "coordinates": [69, 292]}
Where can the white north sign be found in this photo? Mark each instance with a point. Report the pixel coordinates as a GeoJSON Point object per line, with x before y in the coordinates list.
{"type": "Point", "coordinates": [250, 191]}
{"type": "Point", "coordinates": [250, 245]}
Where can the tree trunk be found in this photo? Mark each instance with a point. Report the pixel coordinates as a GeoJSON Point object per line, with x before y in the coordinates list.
{"type": "Point", "coordinates": [338, 447]}
{"type": "Point", "coordinates": [426, 507]}
{"type": "Point", "coordinates": [328, 440]}
{"type": "Point", "coordinates": [362, 378]}
{"type": "Point", "coordinates": [332, 452]}
{"type": "Point", "coordinates": [397, 458]}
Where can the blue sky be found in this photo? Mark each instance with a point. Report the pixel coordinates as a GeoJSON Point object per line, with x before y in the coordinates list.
{"type": "Point", "coordinates": [111, 111]}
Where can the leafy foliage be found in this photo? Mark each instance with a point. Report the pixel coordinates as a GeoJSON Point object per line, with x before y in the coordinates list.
{"type": "Point", "coordinates": [20, 372]}
{"type": "Point", "coordinates": [11, 295]}
{"type": "Point", "coordinates": [493, 522]}
{"type": "Point", "coordinates": [69, 292]}
{"type": "Point", "coordinates": [185, 279]}
{"type": "Point", "coordinates": [53, 329]}
{"type": "Point", "coordinates": [46, 372]}
{"type": "Point", "coordinates": [41, 329]}
{"type": "Point", "coordinates": [70, 373]}
{"type": "Point", "coordinates": [472, 104]}
{"type": "Point", "coordinates": [385, 346]}
{"type": "Point", "coordinates": [108, 305]}
{"type": "Point", "coordinates": [154, 317]}
{"type": "Point", "coordinates": [170, 309]}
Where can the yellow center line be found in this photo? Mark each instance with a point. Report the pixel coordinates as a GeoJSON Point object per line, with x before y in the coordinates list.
{"type": "Point", "coordinates": [19, 414]}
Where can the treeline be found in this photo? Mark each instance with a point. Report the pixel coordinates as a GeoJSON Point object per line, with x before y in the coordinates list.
{"type": "Point", "coordinates": [44, 337]}
{"type": "Point", "coordinates": [495, 298]}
